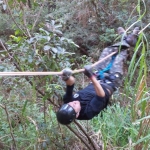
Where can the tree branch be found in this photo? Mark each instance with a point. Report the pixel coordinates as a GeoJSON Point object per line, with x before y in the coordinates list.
{"type": "Point", "coordinates": [25, 24]}
{"type": "Point", "coordinates": [81, 138]}
{"type": "Point", "coordinates": [10, 126]}
{"type": "Point", "coordinates": [95, 147]}
{"type": "Point", "coordinates": [14, 19]}
{"type": "Point", "coordinates": [35, 22]}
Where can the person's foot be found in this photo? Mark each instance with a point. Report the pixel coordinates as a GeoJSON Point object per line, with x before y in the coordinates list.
{"type": "Point", "coordinates": [121, 30]}
{"type": "Point", "coordinates": [131, 39]}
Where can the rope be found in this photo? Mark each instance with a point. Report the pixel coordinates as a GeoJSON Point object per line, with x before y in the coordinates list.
{"type": "Point", "coordinates": [51, 73]}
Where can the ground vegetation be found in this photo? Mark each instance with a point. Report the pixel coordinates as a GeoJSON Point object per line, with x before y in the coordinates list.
{"type": "Point", "coordinates": [49, 35]}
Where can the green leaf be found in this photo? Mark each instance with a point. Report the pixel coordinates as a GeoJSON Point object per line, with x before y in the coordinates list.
{"type": "Point", "coordinates": [24, 107]}
{"type": "Point", "coordinates": [58, 32]}
{"type": "Point", "coordinates": [44, 31]}
{"type": "Point", "coordinates": [47, 47]}
{"type": "Point", "coordinates": [31, 40]}
{"type": "Point", "coordinates": [30, 59]}
{"type": "Point", "coordinates": [48, 38]}
{"type": "Point", "coordinates": [17, 32]}
{"type": "Point", "coordinates": [147, 137]}
{"type": "Point", "coordinates": [58, 26]}
{"type": "Point", "coordinates": [138, 8]}
{"type": "Point", "coordinates": [2, 55]}
{"type": "Point", "coordinates": [60, 50]}
{"type": "Point", "coordinates": [54, 50]}
{"type": "Point", "coordinates": [52, 22]}
{"type": "Point", "coordinates": [24, 1]}
{"type": "Point", "coordinates": [2, 67]}
{"type": "Point", "coordinates": [4, 7]}
{"type": "Point", "coordinates": [19, 39]}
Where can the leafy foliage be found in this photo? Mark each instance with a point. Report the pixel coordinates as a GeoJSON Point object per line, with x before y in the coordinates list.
{"type": "Point", "coordinates": [41, 40]}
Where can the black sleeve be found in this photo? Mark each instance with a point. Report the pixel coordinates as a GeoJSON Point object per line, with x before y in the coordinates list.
{"type": "Point", "coordinates": [68, 96]}
{"type": "Point", "coordinates": [97, 104]}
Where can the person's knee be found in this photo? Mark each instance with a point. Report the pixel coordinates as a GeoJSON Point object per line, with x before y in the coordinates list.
{"type": "Point", "coordinates": [114, 80]}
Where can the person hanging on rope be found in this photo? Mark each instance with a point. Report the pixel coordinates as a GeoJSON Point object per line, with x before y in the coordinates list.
{"type": "Point", "coordinates": [90, 101]}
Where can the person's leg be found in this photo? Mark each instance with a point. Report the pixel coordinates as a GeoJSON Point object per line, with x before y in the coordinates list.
{"type": "Point", "coordinates": [109, 50]}
{"type": "Point", "coordinates": [118, 64]}
{"type": "Point", "coordinates": [115, 69]}
{"type": "Point", "coordinates": [116, 72]}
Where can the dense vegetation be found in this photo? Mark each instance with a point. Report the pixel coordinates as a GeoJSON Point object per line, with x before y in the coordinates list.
{"type": "Point", "coordinates": [49, 35]}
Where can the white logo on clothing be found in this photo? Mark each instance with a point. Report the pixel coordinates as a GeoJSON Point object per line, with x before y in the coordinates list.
{"type": "Point", "coordinates": [76, 95]}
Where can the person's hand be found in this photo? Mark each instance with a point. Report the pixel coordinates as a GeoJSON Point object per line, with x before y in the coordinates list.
{"type": "Point", "coordinates": [88, 71]}
{"type": "Point", "coordinates": [66, 73]}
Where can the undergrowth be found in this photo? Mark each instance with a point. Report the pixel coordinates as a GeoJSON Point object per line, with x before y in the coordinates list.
{"type": "Point", "coordinates": [28, 104]}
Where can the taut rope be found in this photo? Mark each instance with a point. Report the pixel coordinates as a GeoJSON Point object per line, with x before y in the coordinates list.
{"type": "Point", "coordinates": [51, 73]}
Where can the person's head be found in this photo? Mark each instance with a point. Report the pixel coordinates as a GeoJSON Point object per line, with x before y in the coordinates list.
{"type": "Point", "coordinates": [68, 112]}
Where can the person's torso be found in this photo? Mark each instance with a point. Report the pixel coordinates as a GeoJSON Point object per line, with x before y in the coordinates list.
{"type": "Point", "coordinates": [85, 97]}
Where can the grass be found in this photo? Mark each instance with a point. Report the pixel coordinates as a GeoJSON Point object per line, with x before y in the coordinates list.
{"type": "Point", "coordinates": [29, 122]}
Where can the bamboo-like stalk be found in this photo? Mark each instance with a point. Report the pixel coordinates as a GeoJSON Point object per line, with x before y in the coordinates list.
{"type": "Point", "coordinates": [88, 137]}
{"type": "Point", "coordinates": [51, 73]}
{"type": "Point", "coordinates": [81, 138]}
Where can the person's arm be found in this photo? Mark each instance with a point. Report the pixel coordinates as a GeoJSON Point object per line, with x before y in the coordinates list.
{"type": "Point", "coordinates": [98, 88]}
{"type": "Point", "coordinates": [69, 80]}
{"type": "Point", "coordinates": [67, 76]}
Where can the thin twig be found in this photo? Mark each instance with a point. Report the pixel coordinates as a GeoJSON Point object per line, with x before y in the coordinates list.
{"type": "Point", "coordinates": [2, 106]}
{"type": "Point", "coordinates": [4, 136]}
{"type": "Point", "coordinates": [132, 25]}
{"type": "Point", "coordinates": [36, 126]}
{"type": "Point", "coordinates": [62, 136]}
{"type": "Point", "coordinates": [10, 126]}
{"type": "Point", "coordinates": [14, 19]}
{"type": "Point", "coordinates": [82, 139]}
{"type": "Point", "coordinates": [25, 24]}
{"type": "Point", "coordinates": [144, 28]}
{"type": "Point", "coordinates": [90, 140]}
{"type": "Point", "coordinates": [35, 22]}
{"type": "Point", "coordinates": [5, 49]}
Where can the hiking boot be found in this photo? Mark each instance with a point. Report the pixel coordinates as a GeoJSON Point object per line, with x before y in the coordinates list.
{"type": "Point", "coordinates": [132, 38]}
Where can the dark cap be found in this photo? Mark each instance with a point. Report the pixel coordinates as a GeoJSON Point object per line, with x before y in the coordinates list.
{"type": "Point", "coordinates": [66, 114]}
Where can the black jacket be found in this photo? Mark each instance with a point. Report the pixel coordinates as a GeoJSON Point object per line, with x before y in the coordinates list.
{"type": "Point", "coordinates": [91, 104]}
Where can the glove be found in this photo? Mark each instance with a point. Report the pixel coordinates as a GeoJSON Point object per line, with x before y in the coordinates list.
{"type": "Point", "coordinates": [66, 73]}
{"type": "Point", "coordinates": [88, 71]}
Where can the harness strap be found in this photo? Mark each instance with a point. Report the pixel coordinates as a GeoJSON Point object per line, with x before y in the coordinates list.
{"type": "Point", "coordinates": [107, 68]}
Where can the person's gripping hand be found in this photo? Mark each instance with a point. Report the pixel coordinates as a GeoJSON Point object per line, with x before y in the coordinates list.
{"type": "Point", "coordinates": [66, 73]}
{"type": "Point", "coordinates": [88, 71]}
